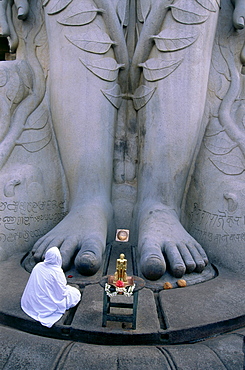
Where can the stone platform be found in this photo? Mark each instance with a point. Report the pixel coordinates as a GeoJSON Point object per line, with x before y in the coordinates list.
{"type": "Point", "coordinates": [201, 326]}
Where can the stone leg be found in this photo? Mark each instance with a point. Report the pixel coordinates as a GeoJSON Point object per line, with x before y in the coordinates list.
{"type": "Point", "coordinates": [84, 125]}
{"type": "Point", "coordinates": [170, 129]}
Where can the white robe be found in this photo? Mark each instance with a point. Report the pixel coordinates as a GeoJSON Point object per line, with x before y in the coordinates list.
{"type": "Point", "coordinates": [47, 296]}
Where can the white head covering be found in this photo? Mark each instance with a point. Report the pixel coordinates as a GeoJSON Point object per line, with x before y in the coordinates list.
{"type": "Point", "coordinates": [53, 257]}
{"type": "Point", "coordinates": [46, 296]}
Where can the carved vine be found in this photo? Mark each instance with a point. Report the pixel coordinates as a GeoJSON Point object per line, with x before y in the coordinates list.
{"type": "Point", "coordinates": [23, 92]}
{"type": "Point", "coordinates": [225, 135]}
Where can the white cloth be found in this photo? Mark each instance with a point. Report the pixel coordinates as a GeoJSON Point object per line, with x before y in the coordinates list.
{"type": "Point", "coordinates": [47, 296]}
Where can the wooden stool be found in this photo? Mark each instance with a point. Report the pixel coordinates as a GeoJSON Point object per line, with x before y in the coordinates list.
{"type": "Point", "coordinates": [107, 304]}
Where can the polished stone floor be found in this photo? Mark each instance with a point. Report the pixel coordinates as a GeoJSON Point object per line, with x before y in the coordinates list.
{"type": "Point", "coordinates": [200, 326]}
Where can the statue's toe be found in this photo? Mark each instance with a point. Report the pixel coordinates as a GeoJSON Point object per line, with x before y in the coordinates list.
{"type": "Point", "coordinates": [153, 267]}
{"type": "Point", "coordinates": [87, 263]}
{"type": "Point", "coordinates": [23, 9]}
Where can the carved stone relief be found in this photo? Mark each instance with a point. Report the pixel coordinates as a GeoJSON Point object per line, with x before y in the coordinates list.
{"type": "Point", "coordinates": [32, 190]}
{"type": "Point", "coordinates": [216, 199]}
{"type": "Point", "coordinates": [126, 86]}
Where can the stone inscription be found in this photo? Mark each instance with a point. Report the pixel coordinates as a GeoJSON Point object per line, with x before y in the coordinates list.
{"type": "Point", "coordinates": [205, 236]}
{"type": "Point", "coordinates": [219, 228]}
{"type": "Point", "coordinates": [221, 219]}
{"type": "Point", "coordinates": [15, 216]}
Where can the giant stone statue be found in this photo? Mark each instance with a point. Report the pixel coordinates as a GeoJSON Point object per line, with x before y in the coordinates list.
{"type": "Point", "coordinates": [104, 112]}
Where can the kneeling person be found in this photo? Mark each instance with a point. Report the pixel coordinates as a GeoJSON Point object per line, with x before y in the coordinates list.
{"type": "Point", "coordinates": [47, 296]}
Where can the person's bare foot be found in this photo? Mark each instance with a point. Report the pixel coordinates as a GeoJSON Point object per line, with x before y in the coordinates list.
{"type": "Point", "coordinates": [162, 239]}
{"type": "Point", "coordinates": [82, 233]}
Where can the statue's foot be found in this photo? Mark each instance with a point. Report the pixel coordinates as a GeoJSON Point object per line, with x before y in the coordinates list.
{"type": "Point", "coordinates": [80, 235]}
{"type": "Point", "coordinates": [162, 237]}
